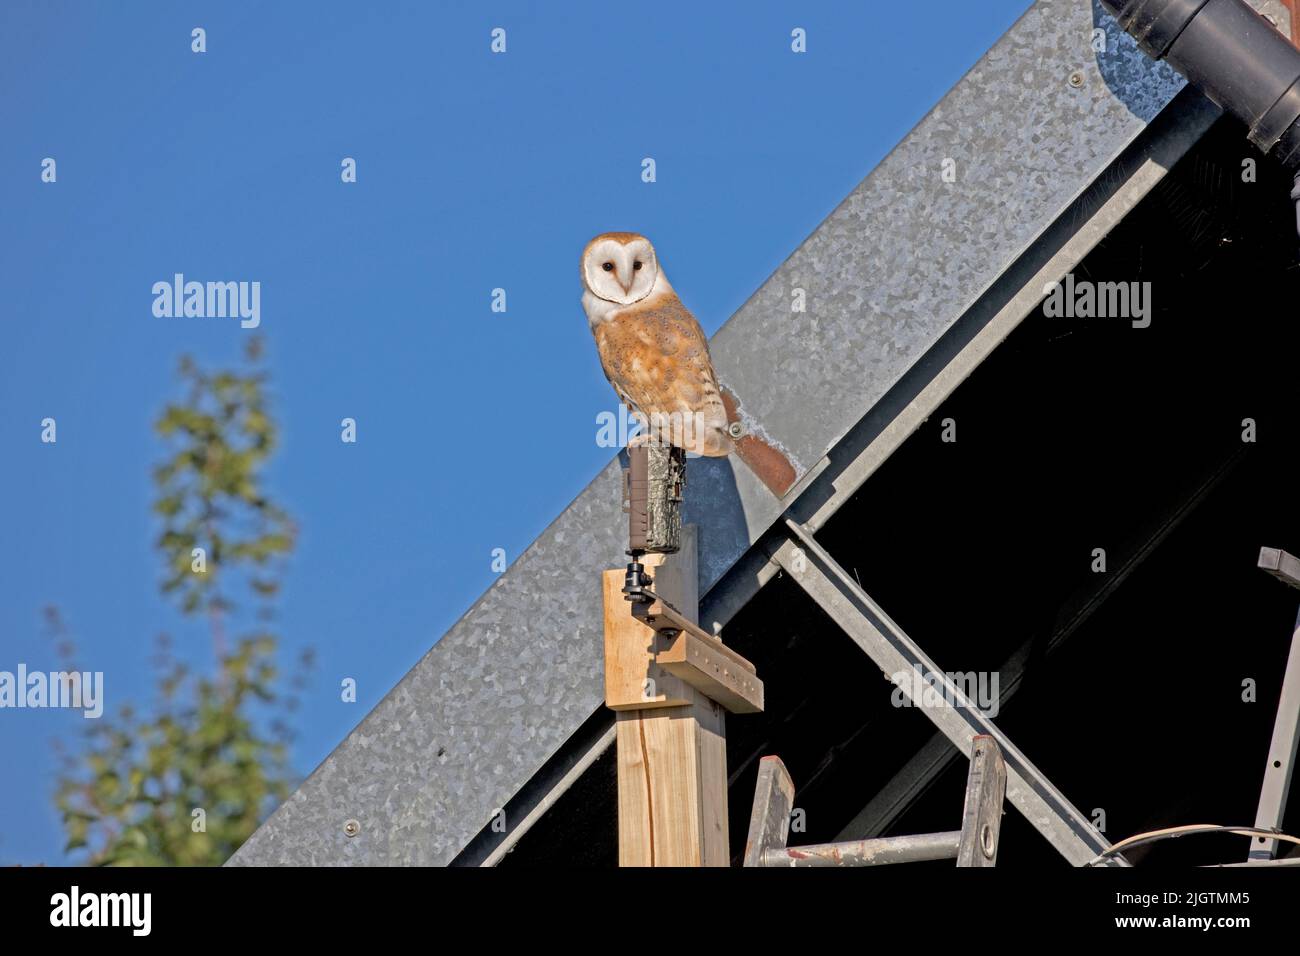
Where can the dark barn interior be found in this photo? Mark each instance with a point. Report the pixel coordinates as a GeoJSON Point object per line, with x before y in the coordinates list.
{"type": "Point", "coordinates": [1076, 434]}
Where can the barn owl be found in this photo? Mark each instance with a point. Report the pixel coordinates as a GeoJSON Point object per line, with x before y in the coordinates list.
{"type": "Point", "coordinates": [653, 351]}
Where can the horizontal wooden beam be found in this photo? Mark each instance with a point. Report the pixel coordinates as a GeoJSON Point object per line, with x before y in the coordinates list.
{"type": "Point", "coordinates": [715, 670]}
{"type": "Point", "coordinates": [700, 659]}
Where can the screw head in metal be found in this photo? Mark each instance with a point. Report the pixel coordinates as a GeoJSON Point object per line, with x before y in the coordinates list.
{"type": "Point", "coordinates": [352, 828]}
{"type": "Point", "coordinates": [1076, 79]}
{"type": "Point", "coordinates": [736, 430]}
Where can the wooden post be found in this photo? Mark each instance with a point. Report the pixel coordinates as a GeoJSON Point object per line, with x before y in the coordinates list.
{"type": "Point", "coordinates": [671, 738]}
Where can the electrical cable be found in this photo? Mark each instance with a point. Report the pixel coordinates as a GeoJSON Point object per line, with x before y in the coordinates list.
{"type": "Point", "coordinates": [1169, 833]}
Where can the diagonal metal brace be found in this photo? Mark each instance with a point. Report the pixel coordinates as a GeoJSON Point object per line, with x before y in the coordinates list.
{"type": "Point", "coordinates": [1045, 807]}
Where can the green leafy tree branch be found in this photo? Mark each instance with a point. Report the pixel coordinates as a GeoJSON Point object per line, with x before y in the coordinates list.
{"type": "Point", "coordinates": [187, 783]}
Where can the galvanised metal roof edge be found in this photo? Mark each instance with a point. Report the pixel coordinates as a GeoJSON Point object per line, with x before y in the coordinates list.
{"type": "Point", "coordinates": [1026, 131]}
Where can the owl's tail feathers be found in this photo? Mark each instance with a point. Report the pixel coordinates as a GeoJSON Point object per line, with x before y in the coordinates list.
{"type": "Point", "coordinates": [771, 467]}
{"type": "Point", "coordinates": [766, 462]}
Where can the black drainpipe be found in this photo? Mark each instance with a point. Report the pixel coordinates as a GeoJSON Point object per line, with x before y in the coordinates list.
{"type": "Point", "coordinates": [1236, 58]}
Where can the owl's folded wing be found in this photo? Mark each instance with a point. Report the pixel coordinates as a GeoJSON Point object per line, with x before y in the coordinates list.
{"type": "Point", "coordinates": [657, 358]}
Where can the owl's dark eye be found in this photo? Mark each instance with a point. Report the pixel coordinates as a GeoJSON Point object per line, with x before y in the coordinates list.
{"type": "Point", "coordinates": [608, 267]}
{"type": "Point", "coordinates": [636, 265]}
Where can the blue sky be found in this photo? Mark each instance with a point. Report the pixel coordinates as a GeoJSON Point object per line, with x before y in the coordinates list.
{"type": "Point", "coordinates": [474, 171]}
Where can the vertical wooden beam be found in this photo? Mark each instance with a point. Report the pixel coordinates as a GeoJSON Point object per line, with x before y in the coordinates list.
{"type": "Point", "coordinates": [633, 681]}
{"type": "Point", "coordinates": [672, 760]}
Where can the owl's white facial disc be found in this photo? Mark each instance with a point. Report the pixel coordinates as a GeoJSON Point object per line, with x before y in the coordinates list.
{"type": "Point", "coordinates": [620, 272]}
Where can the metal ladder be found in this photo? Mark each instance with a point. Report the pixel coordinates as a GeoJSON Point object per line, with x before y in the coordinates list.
{"type": "Point", "coordinates": [1286, 726]}
{"type": "Point", "coordinates": [975, 844]}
